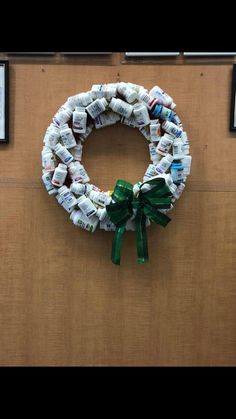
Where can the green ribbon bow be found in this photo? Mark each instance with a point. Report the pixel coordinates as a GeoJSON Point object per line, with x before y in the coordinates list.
{"type": "Point", "coordinates": [146, 205]}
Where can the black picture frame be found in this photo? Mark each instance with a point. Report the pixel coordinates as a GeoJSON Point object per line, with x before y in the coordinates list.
{"type": "Point", "coordinates": [233, 101]}
{"type": "Point", "coordinates": [4, 107]}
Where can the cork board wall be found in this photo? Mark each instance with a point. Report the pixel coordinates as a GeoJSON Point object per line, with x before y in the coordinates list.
{"type": "Point", "coordinates": [62, 301]}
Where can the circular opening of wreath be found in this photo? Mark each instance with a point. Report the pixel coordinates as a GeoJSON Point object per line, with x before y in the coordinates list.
{"type": "Point", "coordinates": [125, 206]}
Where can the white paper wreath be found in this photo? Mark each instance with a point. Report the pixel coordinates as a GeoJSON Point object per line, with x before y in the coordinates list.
{"type": "Point", "coordinates": [126, 207]}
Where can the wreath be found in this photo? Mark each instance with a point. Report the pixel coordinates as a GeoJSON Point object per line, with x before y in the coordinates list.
{"type": "Point", "coordinates": [127, 207]}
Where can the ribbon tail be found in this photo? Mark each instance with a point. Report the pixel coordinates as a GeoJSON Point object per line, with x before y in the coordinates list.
{"type": "Point", "coordinates": [141, 237]}
{"type": "Point", "coordinates": [116, 244]}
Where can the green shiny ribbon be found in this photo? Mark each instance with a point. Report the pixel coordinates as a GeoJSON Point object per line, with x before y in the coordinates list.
{"type": "Point", "coordinates": [146, 205]}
